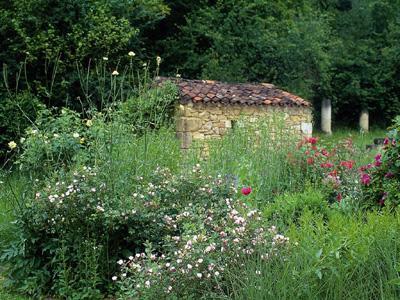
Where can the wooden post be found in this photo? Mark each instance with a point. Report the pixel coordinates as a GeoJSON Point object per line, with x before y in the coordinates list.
{"type": "Point", "coordinates": [364, 120]}
{"type": "Point", "coordinates": [326, 116]}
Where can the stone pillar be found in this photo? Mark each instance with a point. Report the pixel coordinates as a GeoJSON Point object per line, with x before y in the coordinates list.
{"type": "Point", "coordinates": [326, 116]}
{"type": "Point", "coordinates": [364, 120]}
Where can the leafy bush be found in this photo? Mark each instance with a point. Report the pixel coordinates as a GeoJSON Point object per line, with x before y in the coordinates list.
{"type": "Point", "coordinates": [210, 233]}
{"type": "Point", "coordinates": [151, 109]}
{"type": "Point", "coordinates": [71, 233]}
{"type": "Point", "coordinates": [381, 179]}
{"type": "Point", "coordinates": [333, 169]}
{"type": "Point", "coordinates": [17, 112]}
{"type": "Point", "coordinates": [288, 208]}
{"type": "Point", "coordinates": [53, 141]}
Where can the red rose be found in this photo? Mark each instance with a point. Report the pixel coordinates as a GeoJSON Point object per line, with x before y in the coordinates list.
{"type": "Point", "coordinates": [339, 197]}
{"type": "Point", "coordinates": [386, 141]}
{"type": "Point", "coordinates": [312, 140]}
{"type": "Point", "coordinates": [333, 173]}
{"type": "Point", "coordinates": [327, 165]}
{"type": "Point", "coordinates": [347, 163]}
{"type": "Point", "coordinates": [310, 160]}
{"type": "Point", "coordinates": [246, 190]}
{"type": "Point", "coordinates": [389, 175]}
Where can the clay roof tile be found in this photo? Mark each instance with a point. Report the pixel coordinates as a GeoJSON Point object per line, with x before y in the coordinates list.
{"type": "Point", "coordinates": [233, 93]}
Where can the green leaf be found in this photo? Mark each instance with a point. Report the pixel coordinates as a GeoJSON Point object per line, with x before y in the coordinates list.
{"type": "Point", "coordinates": [319, 253]}
{"type": "Point", "coordinates": [319, 274]}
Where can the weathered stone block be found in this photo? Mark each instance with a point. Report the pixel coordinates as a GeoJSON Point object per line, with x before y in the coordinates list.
{"type": "Point", "coordinates": [204, 115]}
{"type": "Point", "coordinates": [199, 121]}
{"type": "Point", "coordinates": [208, 125]}
{"type": "Point", "coordinates": [198, 136]}
{"type": "Point", "coordinates": [185, 138]}
{"type": "Point", "coordinates": [180, 124]}
{"type": "Point", "coordinates": [192, 124]}
{"type": "Point", "coordinates": [306, 128]}
{"type": "Point", "coordinates": [213, 117]}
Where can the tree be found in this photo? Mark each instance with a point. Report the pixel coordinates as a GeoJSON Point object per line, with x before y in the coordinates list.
{"type": "Point", "coordinates": [283, 42]}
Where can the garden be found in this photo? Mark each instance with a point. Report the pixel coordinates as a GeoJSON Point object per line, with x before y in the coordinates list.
{"type": "Point", "coordinates": [100, 206]}
{"type": "Point", "coordinates": [99, 201]}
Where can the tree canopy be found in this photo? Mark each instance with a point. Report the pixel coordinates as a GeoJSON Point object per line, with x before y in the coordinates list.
{"type": "Point", "coordinates": [343, 50]}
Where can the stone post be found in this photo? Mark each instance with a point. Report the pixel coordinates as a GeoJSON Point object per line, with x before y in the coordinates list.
{"type": "Point", "coordinates": [364, 120]}
{"type": "Point", "coordinates": [326, 116]}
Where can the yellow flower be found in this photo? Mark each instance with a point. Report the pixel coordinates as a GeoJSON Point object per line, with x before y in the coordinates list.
{"type": "Point", "coordinates": [12, 145]}
{"type": "Point", "coordinates": [131, 53]}
{"type": "Point", "coordinates": [82, 140]}
{"type": "Point", "coordinates": [115, 73]}
{"type": "Point", "coordinates": [89, 123]}
{"type": "Point", "coordinates": [158, 59]}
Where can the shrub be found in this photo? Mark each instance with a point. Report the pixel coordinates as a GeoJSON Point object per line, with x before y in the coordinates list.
{"type": "Point", "coordinates": [71, 233]}
{"type": "Point", "coordinates": [53, 141]}
{"type": "Point", "coordinates": [208, 237]}
{"type": "Point", "coordinates": [381, 179]}
{"type": "Point", "coordinates": [17, 112]}
{"type": "Point", "coordinates": [151, 109]}
{"type": "Point", "coordinates": [288, 208]}
{"type": "Point", "coordinates": [332, 169]}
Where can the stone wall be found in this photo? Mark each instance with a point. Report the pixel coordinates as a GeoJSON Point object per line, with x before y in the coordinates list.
{"type": "Point", "coordinates": [205, 121]}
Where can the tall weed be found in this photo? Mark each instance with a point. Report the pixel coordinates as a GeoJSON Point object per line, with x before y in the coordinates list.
{"type": "Point", "coordinates": [344, 257]}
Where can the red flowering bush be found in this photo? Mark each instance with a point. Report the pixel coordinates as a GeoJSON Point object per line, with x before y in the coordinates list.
{"type": "Point", "coordinates": [333, 168]}
{"type": "Point", "coordinates": [381, 178]}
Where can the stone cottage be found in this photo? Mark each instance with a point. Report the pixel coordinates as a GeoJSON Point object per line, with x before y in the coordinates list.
{"type": "Point", "coordinates": [209, 108]}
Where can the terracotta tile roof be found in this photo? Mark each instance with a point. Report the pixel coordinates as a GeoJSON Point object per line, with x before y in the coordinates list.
{"type": "Point", "coordinates": [209, 91]}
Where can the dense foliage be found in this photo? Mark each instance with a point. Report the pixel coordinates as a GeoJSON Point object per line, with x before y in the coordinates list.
{"type": "Point", "coordinates": [344, 50]}
{"type": "Point", "coordinates": [381, 178]}
{"type": "Point", "coordinates": [104, 209]}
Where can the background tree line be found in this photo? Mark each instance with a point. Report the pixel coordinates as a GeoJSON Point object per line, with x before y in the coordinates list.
{"type": "Point", "coordinates": [344, 50]}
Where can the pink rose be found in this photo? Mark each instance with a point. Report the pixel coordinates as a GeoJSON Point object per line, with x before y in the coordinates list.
{"type": "Point", "coordinates": [365, 179]}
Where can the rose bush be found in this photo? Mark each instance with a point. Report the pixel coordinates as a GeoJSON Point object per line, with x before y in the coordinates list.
{"type": "Point", "coordinates": [381, 178]}
{"type": "Point", "coordinates": [75, 228]}
{"type": "Point", "coordinates": [334, 169]}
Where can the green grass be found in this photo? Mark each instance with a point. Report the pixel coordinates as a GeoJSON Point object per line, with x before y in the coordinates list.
{"type": "Point", "coordinates": [255, 157]}
{"type": "Point", "coordinates": [10, 187]}
{"type": "Point", "coordinates": [339, 257]}
{"type": "Point", "coordinates": [360, 139]}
